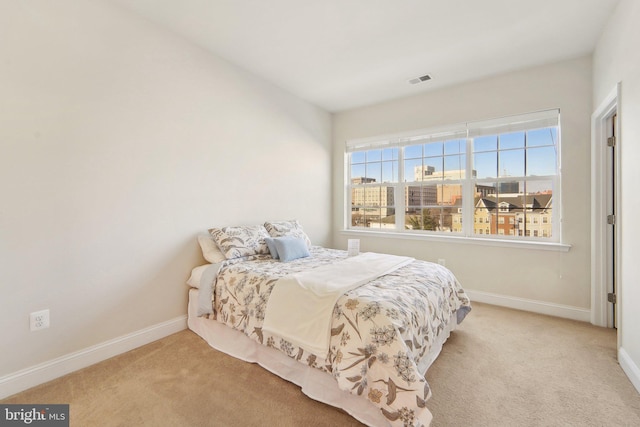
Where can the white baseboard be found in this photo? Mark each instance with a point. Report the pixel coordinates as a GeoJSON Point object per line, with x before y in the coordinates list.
{"type": "Point", "coordinates": [551, 309]}
{"type": "Point", "coordinates": [630, 368]}
{"type": "Point", "coordinates": [47, 371]}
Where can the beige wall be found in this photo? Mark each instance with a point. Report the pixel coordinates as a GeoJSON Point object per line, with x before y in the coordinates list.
{"type": "Point", "coordinates": [544, 276]}
{"type": "Point", "coordinates": [616, 60]}
{"type": "Point", "coordinates": [118, 143]}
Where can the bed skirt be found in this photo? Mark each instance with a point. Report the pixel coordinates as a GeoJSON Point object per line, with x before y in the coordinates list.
{"type": "Point", "coordinates": [314, 383]}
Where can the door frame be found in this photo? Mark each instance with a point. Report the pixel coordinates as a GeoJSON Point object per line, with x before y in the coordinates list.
{"type": "Point", "coordinates": [600, 131]}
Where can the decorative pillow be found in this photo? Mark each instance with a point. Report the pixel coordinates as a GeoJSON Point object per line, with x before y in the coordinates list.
{"type": "Point", "coordinates": [210, 251]}
{"type": "Point", "coordinates": [236, 242]}
{"type": "Point", "coordinates": [287, 228]}
{"type": "Point", "coordinates": [272, 247]}
{"type": "Point", "coordinates": [290, 248]}
{"type": "Point", "coordinates": [196, 276]}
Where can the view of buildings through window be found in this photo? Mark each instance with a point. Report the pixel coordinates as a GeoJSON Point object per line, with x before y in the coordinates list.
{"type": "Point", "coordinates": [506, 180]}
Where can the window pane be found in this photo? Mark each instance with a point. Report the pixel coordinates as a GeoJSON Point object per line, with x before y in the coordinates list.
{"type": "Point", "coordinates": [538, 187]}
{"type": "Point", "coordinates": [452, 220]}
{"type": "Point", "coordinates": [511, 140]}
{"type": "Point", "coordinates": [423, 219]}
{"type": "Point", "coordinates": [357, 196]}
{"type": "Point", "coordinates": [357, 217]}
{"type": "Point", "coordinates": [357, 157]}
{"type": "Point", "coordinates": [546, 227]}
{"type": "Point", "coordinates": [511, 163]}
{"type": "Point", "coordinates": [539, 137]}
{"type": "Point", "coordinates": [538, 208]}
{"type": "Point", "coordinates": [433, 149]}
{"type": "Point", "coordinates": [387, 218]}
{"type": "Point", "coordinates": [414, 196]}
{"type": "Point", "coordinates": [374, 155]}
{"type": "Point", "coordinates": [358, 171]}
{"type": "Point", "coordinates": [390, 154]}
{"type": "Point", "coordinates": [433, 168]}
{"type": "Point", "coordinates": [497, 212]}
{"type": "Point", "coordinates": [512, 187]}
{"type": "Point", "coordinates": [454, 167]}
{"type": "Point", "coordinates": [479, 216]}
{"type": "Point", "coordinates": [431, 195]}
{"type": "Point", "coordinates": [456, 146]}
{"type": "Point", "coordinates": [387, 196]}
{"type": "Point", "coordinates": [520, 223]}
{"type": "Point", "coordinates": [413, 152]}
{"type": "Point", "coordinates": [431, 219]}
{"type": "Point", "coordinates": [413, 170]}
{"type": "Point", "coordinates": [529, 206]}
{"type": "Point", "coordinates": [389, 172]}
{"type": "Point", "coordinates": [485, 189]}
{"type": "Point", "coordinates": [374, 171]}
{"type": "Point", "coordinates": [541, 161]}
{"type": "Point", "coordinates": [419, 196]}
{"type": "Point", "coordinates": [485, 143]}
{"type": "Point", "coordinates": [446, 220]}
{"type": "Point", "coordinates": [449, 194]}
{"type": "Point", "coordinates": [372, 196]}
{"type": "Point", "coordinates": [372, 218]}
{"type": "Point", "coordinates": [413, 219]}
{"type": "Point", "coordinates": [486, 165]}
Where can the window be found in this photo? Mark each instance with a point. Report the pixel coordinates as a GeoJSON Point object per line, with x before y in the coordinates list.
{"type": "Point", "coordinates": [492, 178]}
{"type": "Point", "coordinates": [372, 201]}
{"type": "Point", "coordinates": [433, 173]}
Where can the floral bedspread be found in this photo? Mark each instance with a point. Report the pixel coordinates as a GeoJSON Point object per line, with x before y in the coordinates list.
{"type": "Point", "coordinates": [380, 331]}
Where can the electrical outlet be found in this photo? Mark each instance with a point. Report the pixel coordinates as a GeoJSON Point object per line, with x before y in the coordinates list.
{"type": "Point", "coordinates": [39, 320]}
{"type": "Point", "coordinates": [441, 261]}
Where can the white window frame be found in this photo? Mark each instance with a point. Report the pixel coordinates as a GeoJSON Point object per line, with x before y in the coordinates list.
{"type": "Point", "coordinates": [548, 118]}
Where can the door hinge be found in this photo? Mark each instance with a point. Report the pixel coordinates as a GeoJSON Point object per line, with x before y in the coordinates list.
{"type": "Point", "coordinates": [611, 297]}
{"type": "Point", "coordinates": [611, 141]}
{"type": "Point", "coordinates": [611, 219]}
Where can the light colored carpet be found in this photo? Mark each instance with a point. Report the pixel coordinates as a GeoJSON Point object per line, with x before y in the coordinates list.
{"type": "Point", "coordinates": [500, 368]}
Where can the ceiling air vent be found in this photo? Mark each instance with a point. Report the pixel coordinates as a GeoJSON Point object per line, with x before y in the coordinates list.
{"type": "Point", "coordinates": [420, 79]}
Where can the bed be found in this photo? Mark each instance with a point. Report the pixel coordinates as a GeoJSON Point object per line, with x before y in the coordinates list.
{"type": "Point", "coordinates": [382, 334]}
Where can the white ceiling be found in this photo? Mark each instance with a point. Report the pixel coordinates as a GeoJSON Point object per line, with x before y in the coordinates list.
{"type": "Point", "coordinates": [341, 54]}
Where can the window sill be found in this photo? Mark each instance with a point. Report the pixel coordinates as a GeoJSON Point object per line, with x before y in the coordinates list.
{"type": "Point", "coordinates": [529, 244]}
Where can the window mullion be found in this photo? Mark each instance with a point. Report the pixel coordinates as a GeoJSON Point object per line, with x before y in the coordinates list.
{"type": "Point", "coordinates": [468, 192]}
{"type": "Point", "coordinates": [348, 192]}
{"type": "Point", "coordinates": [401, 189]}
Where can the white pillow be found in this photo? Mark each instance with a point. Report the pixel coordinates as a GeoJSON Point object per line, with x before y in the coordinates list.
{"type": "Point", "coordinates": [210, 251]}
{"type": "Point", "coordinates": [196, 276]}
